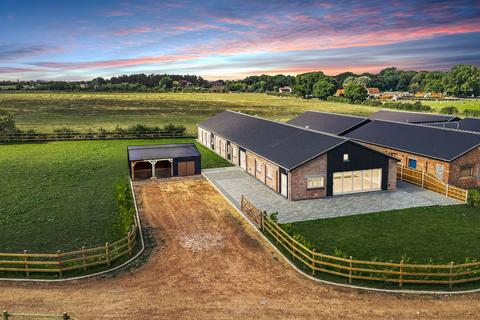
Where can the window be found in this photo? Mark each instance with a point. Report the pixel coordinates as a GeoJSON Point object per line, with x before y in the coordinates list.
{"type": "Point", "coordinates": [269, 171]}
{"type": "Point", "coordinates": [345, 157]}
{"type": "Point", "coordinates": [315, 182]}
{"type": "Point", "coordinates": [412, 163]}
{"type": "Point", "coordinates": [466, 171]}
{"type": "Point", "coordinates": [258, 166]}
{"type": "Point", "coordinates": [439, 170]}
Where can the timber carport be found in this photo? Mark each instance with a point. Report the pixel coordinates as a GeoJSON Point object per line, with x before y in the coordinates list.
{"type": "Point", "coordinates": [163, 161]}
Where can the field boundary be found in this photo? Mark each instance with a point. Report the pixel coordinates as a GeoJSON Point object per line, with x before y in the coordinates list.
{"type": "Point", "coordinates": [82, 136]}
{"type": "Point", "coordinates": [430, 182]}
{"type": "Point", "coordinates": [126, 247]}
{"type": "Point", "coordinates": [350, 286]}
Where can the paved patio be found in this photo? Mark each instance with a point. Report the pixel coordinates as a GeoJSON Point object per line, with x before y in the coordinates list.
{"type": "Point", "coordinates": [233, 182]}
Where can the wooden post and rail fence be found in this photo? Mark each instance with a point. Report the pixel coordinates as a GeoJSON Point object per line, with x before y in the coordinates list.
{"type": "Point", "coordinates": [351, 269]}
{"type": "Point", "coordinates": [431, 182]}
{"type": "Point", "coordinates": [61, 262]}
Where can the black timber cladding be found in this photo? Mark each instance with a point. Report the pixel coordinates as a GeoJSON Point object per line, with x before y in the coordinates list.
{"type": "Point", "coordinates": [411, 117]}
{"type": "Point", "coordinates": [360, 158]}
{"type": "Point", "coordinates": [328, 122]}
{"type": "Point", "coordinates": [285, 145]}
{"type": "Point", "coordinates": [432, 142]}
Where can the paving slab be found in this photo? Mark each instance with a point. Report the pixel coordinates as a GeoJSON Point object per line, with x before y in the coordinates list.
{"type": "Point", "coordinates": [233, 182]}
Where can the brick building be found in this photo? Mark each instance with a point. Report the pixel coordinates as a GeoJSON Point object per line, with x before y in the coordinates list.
{"type": "Point", "coordinates": [296, 162]}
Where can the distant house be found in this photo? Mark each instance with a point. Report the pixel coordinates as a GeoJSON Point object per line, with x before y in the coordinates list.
{"type": "Point", "coordinates": [295, 162]}
{"type": "Point", "coordinates": [434, 95]}
{"type": "Point", "coordinates": [395, 95]}
{"type": "Point", "coordinates": [373, 92]}
{"type": "Point", "coordinates": [285, 89]}
{"type": "Point", "coordinates": [419, 95]}
{"type": "Point", "coordinates": [217, 89]}
{"type": "Point", "coordinates": [84, 86]}
{"type": "Point", "coordinates": [339, 92]}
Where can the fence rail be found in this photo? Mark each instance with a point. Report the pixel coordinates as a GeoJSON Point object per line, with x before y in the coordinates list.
{"type": "Point", "coordinates": [6, 315]}
{"type": "Point", "coordinates": [431, 182]}
{"type": "Point", "coordinates": [61, 262]}
{"type": "Point", "coordinates": [353, 269]}
{"type": "Point", "coordinates": [69, 136]}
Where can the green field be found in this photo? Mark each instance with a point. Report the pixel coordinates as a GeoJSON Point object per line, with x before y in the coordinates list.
{"type": "Point", "coordinates": [60, 195]}
{"type": "Point", "coordinates": [443, 234]}
{"type": "Point", "coordinates": [83, 111]}
{"type": "Point", "coordinates": [461, 105]}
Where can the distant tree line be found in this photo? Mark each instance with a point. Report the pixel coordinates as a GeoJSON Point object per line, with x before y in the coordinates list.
{"type": "Point", "coordinates": [461, 81]}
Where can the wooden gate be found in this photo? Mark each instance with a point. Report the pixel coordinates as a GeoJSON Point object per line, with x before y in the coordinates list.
{"type": "Point", "coordinates": [186, 168]}
{"type": "Point", "coordinates": [252, 212]}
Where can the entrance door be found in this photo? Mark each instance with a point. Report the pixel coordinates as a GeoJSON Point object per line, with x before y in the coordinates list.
{"type": "Point", "coordinates": [186, 168]}
{"type": "Point", "coordinates": [243, 160]}
{"type": "Point", "coordinates": [284, 185]}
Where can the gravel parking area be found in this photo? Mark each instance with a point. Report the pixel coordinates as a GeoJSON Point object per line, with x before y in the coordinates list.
{"type": "Point", "coordinates": [233, 182]}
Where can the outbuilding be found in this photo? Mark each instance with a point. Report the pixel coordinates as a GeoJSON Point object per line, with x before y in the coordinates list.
{"type": "Point", "coordinates": [163, 161]}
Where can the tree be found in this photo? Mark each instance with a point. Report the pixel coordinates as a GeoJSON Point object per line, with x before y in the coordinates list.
{"type": "Point", "coordinates": [462, 80]}
{"type": "Point", "coordinates": [323, 88]}
{"type": "Point", "coordinates": [166, 83]}
{"type": "Point", "coordinates": [304, 82]}
{"type": "Point", "coordinates": [355, 92]}
{"type": "Point", "coordinates": [7, 123]}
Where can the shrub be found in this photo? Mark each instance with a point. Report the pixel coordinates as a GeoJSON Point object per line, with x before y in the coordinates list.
{"type": "Point", "coordinates": [372, 102]}
{"type": "Point", "coordinates": [355, 93]}
{"type": "Point", "coordinates": [449, 110]}
{"type": "Point", "coordinates": [416, 106]}
{"type": "Point", "coordinates": [474, 197]}
{"type": "Point", "coordinates": [471, 113]}
{"type": "Point", "coordinates": [7, 123]}
{"type": "Point", "coordinates": [337, 99]}
{"type": "Point", "coordinates": [66, 131]}
{"type": "Point", "coordinates": [125, 205]}
{"type": "Point", "coordinates": [171, 128]}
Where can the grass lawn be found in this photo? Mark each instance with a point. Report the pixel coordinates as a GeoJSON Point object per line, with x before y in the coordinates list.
{"type": "Point", "coordinates": [47, 111]}
{"type": "Point", "coordinates": [444, 234]}
{"type": "Point", "coordinates": [60, 195]}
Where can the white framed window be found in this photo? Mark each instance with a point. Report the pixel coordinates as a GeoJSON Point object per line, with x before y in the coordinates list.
{"type": "Point", "coordinates": [258, 166]}
{"type": "Point", "coordinates": [269, 171]}
{"type": "Point", "coordinates": [346, 157]}
{"type": "Point", "coordinates": [315, 182]}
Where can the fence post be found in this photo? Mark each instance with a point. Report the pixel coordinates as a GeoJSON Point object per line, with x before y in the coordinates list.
{"type": "Point", "coordinates": [65, 316]}
{"type": "Point", "coordinates": [450, 284]}
{"type": "Point", "coordinates": [401, 172]}
{"type": "Point", "coordinates": [261, 220]}
{"type": "Point", "coordinates": [107, 253]}
{"type": "Point", "coordinates": [400, 283]}
{"type": "Point", "coordinates": [26, 263]}
{"type": "Point", "coordinates": [423, 178]}
{"type": "Point", "coordinates": [5, 315]}
{"type": "Point", "coordinates": [83, 259]}
{"type": "Point", "coordinates": [446, 191]}
{"type": "Point", "coordinates": [313, 261]}
{"type": "Point", "coordinates": [466, 196]}
{"type": "Point", "coordinates": [60, 263]}
{"type": "Point", "coordinates": [350, 271]}
{"type": "Point", "coordinates": [129, 239]}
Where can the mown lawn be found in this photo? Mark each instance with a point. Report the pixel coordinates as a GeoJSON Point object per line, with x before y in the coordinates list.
{"type": "Point", "coordinates": [60, 195]}
{"type": "Point", "coordinates": [83, 111]}
{"type": "Point", "coordinates": [441, 233]}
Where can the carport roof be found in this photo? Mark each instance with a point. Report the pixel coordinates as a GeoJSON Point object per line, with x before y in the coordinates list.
{"type": "Point", "coordinates": [327, 122]}
{"type": "Point", "coordinates": [432, 142]}
{"type": "Point", "coordinates": [162, 151]}
{"type": "Point", "coordinates": [286, 145]}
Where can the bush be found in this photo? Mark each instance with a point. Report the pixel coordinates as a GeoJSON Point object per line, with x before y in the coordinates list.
{"type": "Point", "coordinates": [471, 113]}
{"type": "Point", "coordinates": [66, 131]}
{"type": "Point", "coordinates": [449, 110]}
{"type": "Point", "coordinates": [474, 197]}
{"type": "Point", "coordinates": [416, 106]}
{"type": "Point", "coordinates": [171, 128]}
{"type": "Point", "coordinates": [337, 99]}
{"type": "Point", "coordinates": [372, 102]}
{"type": "Point", "coordinates": [125, 205]}
{"type": "Point", "coordinates": [355, 93]}
{"type": "Point", "coordinates": [7, 123]}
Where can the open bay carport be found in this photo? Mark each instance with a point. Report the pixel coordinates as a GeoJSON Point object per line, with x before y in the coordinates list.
{"type": "Point", "coordinates": [163, 161]}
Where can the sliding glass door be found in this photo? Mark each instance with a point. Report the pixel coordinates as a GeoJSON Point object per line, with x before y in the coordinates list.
{"type": "Point", "coordinates": [357, 181]}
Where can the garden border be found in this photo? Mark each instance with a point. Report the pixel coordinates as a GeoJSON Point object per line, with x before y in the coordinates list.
{"type": "Point", "coordinates": [277, 250]}
{"type": "Point", "coordinates": [137, 219]}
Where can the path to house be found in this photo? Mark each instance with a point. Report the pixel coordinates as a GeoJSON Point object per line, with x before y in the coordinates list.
{"type": "Point", "coordinates": [233, 182]}
{"type": "Point", "coordinates": [208, 263]}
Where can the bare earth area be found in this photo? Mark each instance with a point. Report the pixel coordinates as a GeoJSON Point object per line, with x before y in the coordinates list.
{"type": "Point", "coordinates": [208, 263]}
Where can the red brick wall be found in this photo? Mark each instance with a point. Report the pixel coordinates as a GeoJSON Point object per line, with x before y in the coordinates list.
{"type": "Point", "coordinates": [471, 158]}
{"type": "Point", "coordinates": [392, 175]}
{"type": "Point", "coordinates": [298, 179]}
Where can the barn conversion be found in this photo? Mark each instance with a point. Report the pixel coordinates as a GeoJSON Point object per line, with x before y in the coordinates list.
{"type": "Point", "coordinates": [338, 124]}
{"type": "Point", "coordinates": [452, 155]}
{"type": "Point", "coordinates": [296, 162]}
{"type": "Point", "coordinates": [163, 161]}
{"type": "Point", "coordinates": [412, 117]}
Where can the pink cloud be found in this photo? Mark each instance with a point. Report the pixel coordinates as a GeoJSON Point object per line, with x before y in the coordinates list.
{"type": "Point", "coordinates": [237, 21]}
{"type": "Point", "coordinates": [124, 32]}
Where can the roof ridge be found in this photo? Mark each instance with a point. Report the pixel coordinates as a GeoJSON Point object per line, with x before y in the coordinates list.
{"type": "Point", "coordinates": [335, 114]}
{"type": "Point", "coordinates": [289, 125]}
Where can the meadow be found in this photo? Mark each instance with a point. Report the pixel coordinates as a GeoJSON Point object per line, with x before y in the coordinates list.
{"type": "Point", "coordinates": [61, 195]}
{"type": "Point", "coordinates": [82, 111]}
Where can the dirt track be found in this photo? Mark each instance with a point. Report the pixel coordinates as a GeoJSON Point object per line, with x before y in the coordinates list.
{"type": "Point", "coordinates": [210, 264]}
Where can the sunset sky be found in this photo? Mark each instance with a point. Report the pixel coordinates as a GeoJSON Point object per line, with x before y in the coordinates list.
{"type": "Point", "coordinates": [75, 40]}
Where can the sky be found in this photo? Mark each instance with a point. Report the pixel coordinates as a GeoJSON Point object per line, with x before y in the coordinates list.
{"type": "Point", "coordinates": [80, 40]}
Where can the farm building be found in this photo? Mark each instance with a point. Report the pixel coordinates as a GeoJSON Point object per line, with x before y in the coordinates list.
{"type": "Point", "coordinates": [467, 124]}
{"type": "Point", "coordinates": [412, 117]}
{"type": "Point", "coordinates": [338, 124]}
{"type": "Point", "coordinates": [452, 155]}
{"type": "Point", "coordinates": [296, 162]}
{"type": "Point", "coordinates": [163, 161]}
